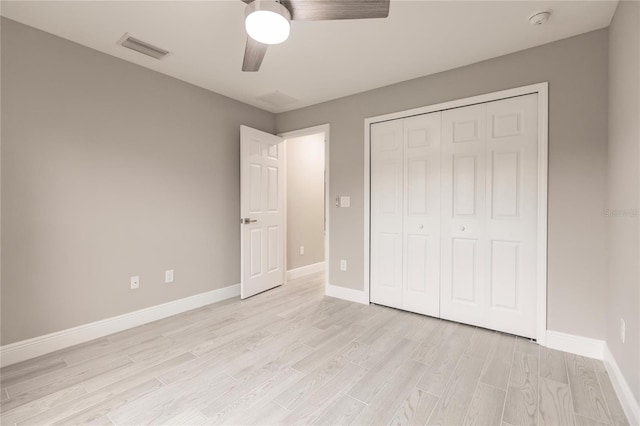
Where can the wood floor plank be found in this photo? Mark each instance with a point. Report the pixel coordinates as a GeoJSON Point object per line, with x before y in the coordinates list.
{"type": "Point", "coordinates": [552, 365]}
{"type": "Point", "coordinates": [40, 405]}
{"type": "Point", "coordinates": [239, 403]}
{"type": "Point", "coordinates": [263, 413]}
{"type": "Point", "coordinates": [170, 400]}
{"type": "Point", "coordinates": [102, 421]}
{"type": "Point", "coordinates": [69, 374]}
{"type": "Point", "coordinates": [585, 421]}
{"type": "Point", "coordinates": [415, 409]}
{"type": "Point", "coordinates": [372, 335]}
{"type": "Point", "coordinates": [328, 349]}
{"type": "Point", "coordinates": [496, 372]}
{"type": "Point", "coordinates": [317, 378]}
{"type": "Point", "coordinates": [444, 359]}
{"type": "Point", "coordinates": [527, 346]}
{"type": "Point", "coordinates": [189, 417]}
{"type": "Point", "coordinates": [332, 320]}
{"type": "Point", "coordinates": [38, 387]}
{"type": "Point", "coordinates": [421, 330]}
{"type": "Point", "coordinates": [114, 390]}
{"type": "Point", "coordinates": [261, 377]}
{"type": "Point", "coordinates": [259, 407]}
{"type": "Point", "coordinates": [311, 408]}
{"type": "Point", "coordinates": [379, 349]}
{"type": "Point", "coordinates": [440, 334]}
{"type": "Point", "coordinates": [23, 368]}
{"type": "Point", "coordinates": [521, 405]}
{"type": "Point", "coordinates": [480, 343]}
{"type": "Point", "coordinates": [384, 405]}
{"type": "Point", "coordinates": [343, 411]}
{"type": "Point", "coordinates": [249, 368]}
{"type": "Point", "coordinates": [454, 403]}
{"type": "Point", "coordinates": [98, 412]}
{"type": "Point", "coordinates": [216, 357]}
{"type": "Point", "coordinates": [588, 400]}
{"type": "Point", "coordinates": [618, 417]}
{"type": "Point", "coordinates": [11, 379]}
{"type": "Point", "coordinates": [555, 404]}
{"type": "Point", "coordinates": [375, 379]}
{"type": "Point", "coordinates": [138, 370]}
{"type": "Point", "coordinates": [486, 406]}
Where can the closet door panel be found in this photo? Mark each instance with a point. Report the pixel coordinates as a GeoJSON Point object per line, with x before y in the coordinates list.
{"type": "Point", "coordinates": [512, 175]}
{"type": "Point", "coordinates": [421, 231]}
{"type": "Point", "coordinates": [386, 213]}
{"type": "Point", "coordinates": [464, 244]}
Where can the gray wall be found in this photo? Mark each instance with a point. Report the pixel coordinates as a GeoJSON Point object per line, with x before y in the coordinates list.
{"type": "Point", "coordinates": [623, 298]}
{"type": "Point", "coordinates": [110, 170]}
{"type": "Point", "coordinates": [305, 200]}
{"type": "Point", "coordinates": [576, 69]}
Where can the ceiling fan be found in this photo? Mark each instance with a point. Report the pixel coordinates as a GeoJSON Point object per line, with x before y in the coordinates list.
{"type": "Point", "coordinates": [268, 21]}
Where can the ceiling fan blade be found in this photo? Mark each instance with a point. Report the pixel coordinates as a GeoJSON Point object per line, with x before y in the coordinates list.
{"type": "Point", "coordinates": [253, 54]}
{"type": "Point", "coordinates": [323, 10]}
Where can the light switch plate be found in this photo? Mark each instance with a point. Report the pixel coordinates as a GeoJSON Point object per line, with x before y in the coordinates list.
{"type": "Point", "coordinates": [345, 201]}
{"type": "Point", "coordinates": [343, 265]}
{"type": "Point", "coordinates": [134, 282]}
{"type": "Point", "coordinates": [168, 276]}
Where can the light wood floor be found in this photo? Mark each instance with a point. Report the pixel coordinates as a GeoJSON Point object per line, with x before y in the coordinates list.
{"type": "Point", "coordinates": [293, 356]}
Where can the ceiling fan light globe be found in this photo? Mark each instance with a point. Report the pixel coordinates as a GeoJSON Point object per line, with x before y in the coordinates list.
{"type": "Point", "coordinates": [267, 21]}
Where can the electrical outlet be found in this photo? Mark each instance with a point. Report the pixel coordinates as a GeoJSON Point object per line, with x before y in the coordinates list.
{"type": "Point", "coordinates": [168, 276]}
{"type": "Point", "coordinates": [343, 265]}
{"type": "Point", "coordinates": [134, 282]}
{"type": "Point", "coordinates": [301, 250]}
{"type": "Point", "coordinates": [623, 330]}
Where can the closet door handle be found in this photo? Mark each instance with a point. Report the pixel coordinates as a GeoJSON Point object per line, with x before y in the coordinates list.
{"type": "Point", "coordinates": [462, 228]}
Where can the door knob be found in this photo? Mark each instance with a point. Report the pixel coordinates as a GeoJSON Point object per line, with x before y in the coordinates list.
{"type": "Point", "coordinates": [421, 226]}
{"type": "Point", "coordinates": [462, 228]}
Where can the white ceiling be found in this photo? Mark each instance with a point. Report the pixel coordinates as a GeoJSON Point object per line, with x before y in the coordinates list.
{"type": "Point", "coordinates": [320, 60]}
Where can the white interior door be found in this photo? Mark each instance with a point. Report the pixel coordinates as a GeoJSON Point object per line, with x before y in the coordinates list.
{"type": "Point", "coordinates": [387, 213]}
{"type": "Point", "coordinates": [512, 214]}
{"type": "Point", "coordinates": [262, 211]}
{"type": "Point", "coordinates": [421, 229]}
{"type": "Point", "coordinates": [405, 213]}
{"type": "Point", "coordinates": [464, 251]}
{"type": "Point", "coordinates": [489, 215]}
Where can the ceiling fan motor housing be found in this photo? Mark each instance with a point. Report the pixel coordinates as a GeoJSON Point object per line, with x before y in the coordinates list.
{"type": "Point", "coordinates": [267, 21]}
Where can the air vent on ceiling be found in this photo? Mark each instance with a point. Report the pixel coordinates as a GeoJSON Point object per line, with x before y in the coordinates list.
{"type": "Point", "coordinates": [277, 99]}
{"type": "Point", "coordinates": [142, 47]}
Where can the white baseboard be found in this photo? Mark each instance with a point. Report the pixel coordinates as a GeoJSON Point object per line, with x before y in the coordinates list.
{"type": "Point", "coordinates": [625, 395]}
{"type": "Point", "coordinates": [346, 294]}
{"type": "Point", "coordinates": [31, 348]}
{"type": "Point", "coordinates": [292, 274]}
{"type": "Point", "coordinates": [585, 346]}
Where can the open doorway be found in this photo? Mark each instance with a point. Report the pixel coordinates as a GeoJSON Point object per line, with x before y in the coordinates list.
{"type": "Point", "coordinates": [306, 217]}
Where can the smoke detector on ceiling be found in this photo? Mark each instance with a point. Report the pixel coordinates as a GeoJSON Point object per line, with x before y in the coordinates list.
{"type": "Point", "coordinates": [540, 17]}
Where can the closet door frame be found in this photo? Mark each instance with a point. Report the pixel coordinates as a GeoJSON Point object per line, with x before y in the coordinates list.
{"type": "Point", "coordinates": [542, 89]}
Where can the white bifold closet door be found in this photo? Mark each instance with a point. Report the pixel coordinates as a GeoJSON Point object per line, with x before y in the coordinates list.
{"type": "Point", "coordinates": [489, 215]}
{"type": "Point", "coordinates": [454, 214]}
{"type": "Point", "coordinates": [405, 213]}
